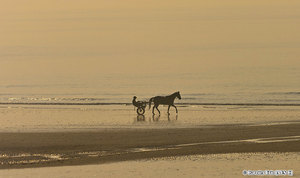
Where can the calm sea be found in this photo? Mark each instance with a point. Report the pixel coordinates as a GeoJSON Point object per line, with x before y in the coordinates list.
{"type": "Point", "coordinates": [275, 86]}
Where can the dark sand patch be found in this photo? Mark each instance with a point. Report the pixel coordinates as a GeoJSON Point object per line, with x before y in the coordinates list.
{"type": "Point", "coordinates": [109, 145]}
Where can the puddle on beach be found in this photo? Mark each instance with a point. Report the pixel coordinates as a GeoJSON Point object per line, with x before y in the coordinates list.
{"type": "Point", "coordinates": [26, 158]}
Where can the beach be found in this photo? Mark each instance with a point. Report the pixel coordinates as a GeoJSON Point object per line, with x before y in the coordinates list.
{"type": "Point", "coordinates": [211, 165]}
{"type": "Point", "coordinates": [111, 145]}
{"type": "Point", "coordinates": [37, 137]}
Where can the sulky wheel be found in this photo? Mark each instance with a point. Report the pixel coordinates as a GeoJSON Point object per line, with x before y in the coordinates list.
{"type": "Point", "coordinates": [140, 110]}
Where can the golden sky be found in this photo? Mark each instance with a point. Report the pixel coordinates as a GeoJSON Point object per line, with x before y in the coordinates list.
{"type": "Point", "coordinates": [60, 38]}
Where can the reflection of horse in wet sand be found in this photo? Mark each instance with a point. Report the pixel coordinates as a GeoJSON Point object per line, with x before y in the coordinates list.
{"type": "Point", "coordinates": [157, 118]}
{"type": "Point", "coordinates": [164, 100]}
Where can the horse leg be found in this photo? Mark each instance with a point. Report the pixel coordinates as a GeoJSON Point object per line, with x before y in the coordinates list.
{"type": "Point", "coordinates": [175, 108]}
{"type": "Point", "coordinates": [157, 109]}
{"type": "Point", "coordinates": [169, 110]}
{"type": "Point", "coordinates": [153, 110]}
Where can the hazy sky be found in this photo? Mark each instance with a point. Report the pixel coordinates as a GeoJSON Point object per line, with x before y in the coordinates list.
{"type": "Point", "coordinates": [60, 38]}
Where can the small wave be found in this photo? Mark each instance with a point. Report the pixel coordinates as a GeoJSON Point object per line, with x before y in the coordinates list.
{"type": "Point", "coordinates": [127, 103]}
{"type": "Point", "coordinates": [284, 93]}
{"type": "Point", "coordinates": [197, 94]}
{"type": "Point", "coordinates": [190, 98]}
{"type": "Point", "coordinates": [293, 93]}
{"type": "Point", "coordinates": [283, 100]}
{"type": "Point", "coordinates": [81, 99]}
{"type": "Point", "coordinates": [242, 104]}
{"type": "Point", "coordinates": [25, 99]}
{"type": "Point", "coordinates": [61, 103]}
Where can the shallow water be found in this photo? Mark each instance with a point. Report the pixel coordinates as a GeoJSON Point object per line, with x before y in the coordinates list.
{"type": "Point", "coordinates": [27, 118]}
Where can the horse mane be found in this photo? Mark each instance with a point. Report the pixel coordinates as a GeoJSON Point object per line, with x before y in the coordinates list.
{"type": "Point", "coordinates": [175, 93]}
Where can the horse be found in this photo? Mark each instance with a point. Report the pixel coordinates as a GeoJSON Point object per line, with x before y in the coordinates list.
{"type": "Point", "coordinates": [164, 100]}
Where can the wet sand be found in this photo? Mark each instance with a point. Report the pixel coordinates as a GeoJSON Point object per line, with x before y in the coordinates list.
{"type": "Point", "coordinates": [43, 149]}
{"type": "Point", "coordinates": [210, 165]}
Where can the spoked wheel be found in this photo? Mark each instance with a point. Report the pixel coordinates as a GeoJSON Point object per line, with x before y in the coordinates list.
{"type": "Point", "coordinates": [140, 110]}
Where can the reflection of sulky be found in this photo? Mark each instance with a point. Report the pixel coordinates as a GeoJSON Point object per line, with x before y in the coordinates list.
{"type": "Point", "coordinates": [140, 117]}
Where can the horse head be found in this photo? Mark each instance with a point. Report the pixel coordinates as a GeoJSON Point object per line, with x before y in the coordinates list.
{"type": "Point", "coordinates": [178, 95]}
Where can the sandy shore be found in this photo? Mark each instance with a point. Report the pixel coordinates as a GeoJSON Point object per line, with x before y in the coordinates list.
{"type": "Point", "coordinates": [20, 150]}
{"type": "Point", "coordinates": [209, 165]}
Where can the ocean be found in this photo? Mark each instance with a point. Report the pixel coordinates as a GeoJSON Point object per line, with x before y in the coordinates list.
{"type": "Point", "coordinates": [239, 86]}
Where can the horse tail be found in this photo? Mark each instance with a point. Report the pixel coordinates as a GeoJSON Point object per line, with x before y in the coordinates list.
{"type": "Point", "coordinates": [150, 101]}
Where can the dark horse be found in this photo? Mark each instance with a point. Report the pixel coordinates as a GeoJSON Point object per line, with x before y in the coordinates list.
{"type": "Point", "coordinates": [164, 100]}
